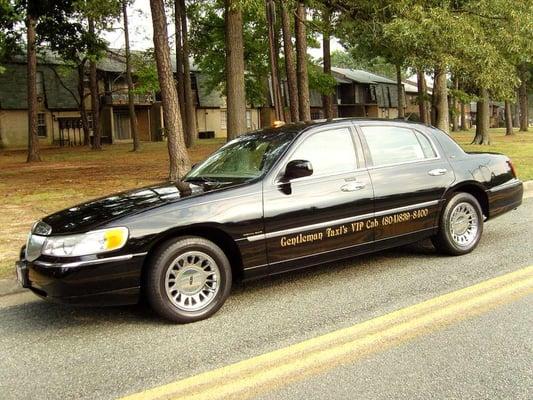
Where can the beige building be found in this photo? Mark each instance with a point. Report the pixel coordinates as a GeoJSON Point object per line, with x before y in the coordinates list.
{"type": "Point", "coordinates": [59, 121]}
{"type": "Point", "coordinates": [364, 94]}
{"type": "Point", "coordinates": [358, 94]}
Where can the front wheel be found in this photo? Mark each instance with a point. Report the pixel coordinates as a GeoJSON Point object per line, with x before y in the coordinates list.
{"type": "Point", "coordinates": [460, 225]}
{"type": "Point", "coordinates": [189, 279]}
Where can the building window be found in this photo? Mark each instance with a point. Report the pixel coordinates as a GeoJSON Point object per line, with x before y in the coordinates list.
{"type": "Point", "coordinates": [315, 114]}
{"type": "Point", "coordinates": [223, 119]}
{"type": "Point", "coordinates": [41, 125]}
{"type": "Point", "coordinates": [40, 83]}
{"type": "Point", "coordinates": [248, 119]}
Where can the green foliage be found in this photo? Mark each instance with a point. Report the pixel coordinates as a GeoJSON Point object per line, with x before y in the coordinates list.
{"type": "Point", "coordinates": [323, 83]}
{"type": "Point", "coordinates": [145, 70]}
{"type": "Point", "coordinates": [352, 59]}
{"type": "Point", "coordinates": [481, 41]}
{"type": "Point", "coordinates": [207, 38]}
{"type": "Point", "coordinates": [61, 25]}
{"type": "Point", "coordinates": [462, 96]}
{"type": "Point", "coordinates": [9, 37]}
{"type": "Point", "coordinates": [103, 12]}
{"type": "Point", "coordinates": [361, 28]}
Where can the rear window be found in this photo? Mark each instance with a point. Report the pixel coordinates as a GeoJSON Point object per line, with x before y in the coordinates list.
{"type": "Point", "coordinates": [450, 146]}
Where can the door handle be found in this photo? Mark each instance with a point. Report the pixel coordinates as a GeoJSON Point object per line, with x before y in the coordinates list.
{"type": "Point", "coordinates": [353, 186]}
{"type": "Point", "coordinates": [437, 172]}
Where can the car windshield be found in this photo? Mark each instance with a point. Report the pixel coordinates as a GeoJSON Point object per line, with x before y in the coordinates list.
{"type": "Point", "coordinates": [245, 158]}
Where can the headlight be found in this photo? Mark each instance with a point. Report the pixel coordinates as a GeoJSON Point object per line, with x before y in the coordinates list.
{"type": "Point", "coordinates": [88, 243]}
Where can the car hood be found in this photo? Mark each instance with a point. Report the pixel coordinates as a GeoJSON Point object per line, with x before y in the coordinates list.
{"type": "Point", "coordinates": [95, 213]}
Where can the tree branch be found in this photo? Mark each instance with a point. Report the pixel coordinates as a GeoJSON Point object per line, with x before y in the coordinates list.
{"type": "Point", "coordinates": [62, 83]}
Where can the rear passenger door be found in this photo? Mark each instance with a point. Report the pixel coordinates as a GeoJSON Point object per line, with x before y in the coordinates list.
{"type": "Point", "coordinates": [409, 176]}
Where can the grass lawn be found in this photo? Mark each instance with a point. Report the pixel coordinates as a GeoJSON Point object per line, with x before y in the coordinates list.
{"type": "Point", "coordinates": [69, 176]}
{"type": "Point", "coordinates": [519, 147]}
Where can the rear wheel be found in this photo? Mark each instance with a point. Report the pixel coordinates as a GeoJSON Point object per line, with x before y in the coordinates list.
{"type": "Point", "coordinates": [461, 225]}
{"type": "Point", "coordinates": [189, 279]}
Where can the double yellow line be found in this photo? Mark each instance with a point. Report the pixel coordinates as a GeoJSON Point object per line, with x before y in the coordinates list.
{"type": "Point", "coordinates": [278, 368]}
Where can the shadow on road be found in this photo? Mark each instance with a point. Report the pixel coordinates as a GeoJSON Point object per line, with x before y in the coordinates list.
{"type": "Point", "coordinates": [412, 251]}
{"type": "Point", "coordinates": [41, 315]}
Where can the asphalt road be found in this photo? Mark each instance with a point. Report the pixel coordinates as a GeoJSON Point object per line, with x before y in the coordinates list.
{"type": "Point", "coordinates": [57, 352]}
{"type": "Point", "coordinates": [487, 357]}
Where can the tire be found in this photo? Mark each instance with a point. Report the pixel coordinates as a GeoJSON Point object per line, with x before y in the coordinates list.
{"type": "Point", "coordinates": [188, 280]}
{"type": "Point", "coordinates": [460, 225]}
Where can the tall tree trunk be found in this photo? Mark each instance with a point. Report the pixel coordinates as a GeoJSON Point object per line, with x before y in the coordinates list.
{"type": "Point", "coordinates": [523, 100]}
{"type": "Point", "coordinates": [399, 88]}
{"type": "Point", "coordinates": [277, 51]}
{"type": "Point", "coordinates": [33, 136]}
{"type": "Point", "coordinates": [178, 157]}
{"type": "Point", "coordinates": [482, 119]}
{"type": "Point", "coordinates": [440, 91]}
{"type": "Point", "coordinates": [304, 103]}
{"type": "Point", "coordinates": [422, 93]}
{"type": "Point", "coordinates": [81, 104]}
{"type": "Point", "coordinates": [464, 126]}
{"type": "Point", "coordinates": [290, 68]}
{"type": "Point", "coordinates": [131, 97]}
{"type": "Point", "coordinates": [190, 108]}
{"type": "Point", "coordinates": [462, 106]}
{"type": "Point", "coordinates": [95, 106]}
{"type": "Point", "coordinates": [455, 114]}
{"type": "Point", "coordinates": [327, 99]}
{"type": "Point", "coordinates": [95, 100]}
{"type": "Point", "coordinates": [180, 76]}
{"type": "Point", "coordinates": [273, 55]}
{"type": "Point", "coordinates": [508, 119]}
{"type": "Point", "coordinates": [235, 90]}
{"type": "Point", "coordinates": [516, 111]}
{"type": "Point", "coordinates": [433, 104]}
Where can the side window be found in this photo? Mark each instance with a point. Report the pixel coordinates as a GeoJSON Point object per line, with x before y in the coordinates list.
{"type": "Point", "coordinates": [329, 152]}
{"type": "Point", "coordinates": [392, 145]}
{"type": "Point", "coordinates": [428, 150]}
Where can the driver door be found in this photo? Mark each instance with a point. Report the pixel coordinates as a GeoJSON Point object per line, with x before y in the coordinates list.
{"type": "Point", "coordinates": [323, 216]}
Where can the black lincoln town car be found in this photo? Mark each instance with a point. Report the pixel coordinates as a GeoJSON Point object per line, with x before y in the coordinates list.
{"type": "Point", "coordinates": [268, 202]}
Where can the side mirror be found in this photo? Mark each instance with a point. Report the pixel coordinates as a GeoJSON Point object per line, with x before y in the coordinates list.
{"type": "Point", "coordinates": [297, 169]}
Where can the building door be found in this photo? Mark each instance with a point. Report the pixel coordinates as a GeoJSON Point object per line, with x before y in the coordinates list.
{"type": "Point", "coordinates": [70, 131]}
{"type": "Point", "coordinates": [122, 125]}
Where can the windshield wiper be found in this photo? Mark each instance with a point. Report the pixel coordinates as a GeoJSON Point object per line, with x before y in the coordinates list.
{"type": "Point", "coordinates": [201, 179]}
{"type": "Point", "coordinates": [205, 181]}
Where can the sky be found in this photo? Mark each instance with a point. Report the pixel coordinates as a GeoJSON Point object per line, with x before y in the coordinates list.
{"type": "Point", "coordinates": [141, 30]}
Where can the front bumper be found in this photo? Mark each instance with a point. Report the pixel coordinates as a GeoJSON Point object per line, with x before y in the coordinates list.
{"type": "Point", "coordinates": [94, 282]}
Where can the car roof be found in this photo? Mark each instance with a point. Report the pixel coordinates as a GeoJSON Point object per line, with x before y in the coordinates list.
{"type": "Point", "coordinates": [299, 127]}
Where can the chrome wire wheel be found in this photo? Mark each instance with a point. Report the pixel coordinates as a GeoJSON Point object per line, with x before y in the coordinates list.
{"type": "Point", "coordinates": [464, 223]}
{"type": "Point", "coordinates": [192, 281]}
